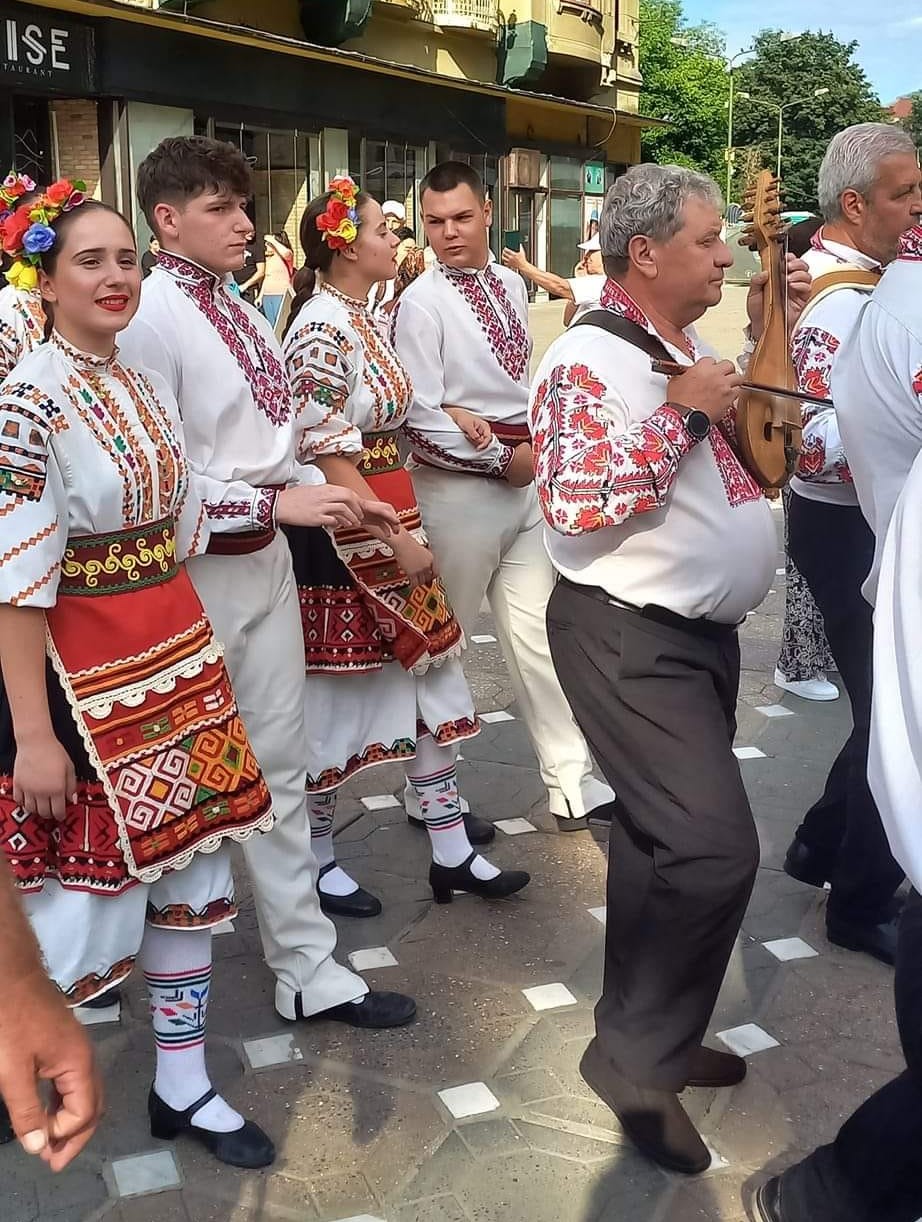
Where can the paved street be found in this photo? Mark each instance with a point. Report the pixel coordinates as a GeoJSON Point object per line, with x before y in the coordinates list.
{"type": "Point", "coordinates": [477, 1112]}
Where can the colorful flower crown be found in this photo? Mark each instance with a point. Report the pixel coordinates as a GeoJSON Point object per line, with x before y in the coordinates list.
{"type": "Point", "coordinates": [14, 187]}
{"type": "Point", "coordinates": [339, 224]}
{"type": "Point", "coordinates": [26, 234]}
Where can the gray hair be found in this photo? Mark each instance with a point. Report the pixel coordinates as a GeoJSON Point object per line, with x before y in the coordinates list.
{"type": "Point", "coordinates": [649, 200]}
{"type": "Point", "coordinates": [852, 162]}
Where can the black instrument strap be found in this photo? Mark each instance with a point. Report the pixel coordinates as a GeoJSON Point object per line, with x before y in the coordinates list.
{"type": "Point", "coordinates": [631, 332]}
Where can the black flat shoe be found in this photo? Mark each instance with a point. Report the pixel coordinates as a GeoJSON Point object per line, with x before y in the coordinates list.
{"type": "Point", "coordinates": [710, 1067]}
{"type": "Point", "coordinates": [878, 941]}
{"type": "Point", "coordinates": [102, 1001]}
{"type": "Point", "coordinates": [566, 823]}
{"type": "Point", "coordinates": [244, 1147]}
{"type": "Point", "coordinates": [804, 864]}
{"type": "Point", "coordinates": [768, 1201]}
{"type": "Point", "coordinates": [375, 1011]}
{"type": "Point", "coordinates": [479, 831]}
{"type": "Point", "coordinates": [360, 903]}
{"type": "Point", "coordinates": [6, 1129]}
{"type": "Point", "coordinates": [445, 879]}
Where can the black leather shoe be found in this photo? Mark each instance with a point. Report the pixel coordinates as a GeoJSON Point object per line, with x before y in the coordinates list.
{"type": "Point", "coordinates": [804, 864]}
{"type": "Point", "coordinates": [605, 813]}
{"type": "Point", "coordinates": [6, 1129]}
{"type": "Point", "coordinates": [376, 1010]}
{"type": "Point", "coordinates": [245, 1147]}
{"type": "Point", "coordinates": [360, 903]}
{"type": "Point", "coordinates": [102, 1002]}
{"type": "Point", "coordinates": [710, 1067]}
{"type": "Point", "coordinates": [565, 823]}
{"type": "Point", "coordinates": [445, 879]}
{"type": "Point", "coordinates": [654, 1120]}
{"type": "Point", "coordinates": [479, 831]}
{"type": "Point", "coordinates": [878, 941]}
{"type": "Point", "coordinates": [768, 1201]}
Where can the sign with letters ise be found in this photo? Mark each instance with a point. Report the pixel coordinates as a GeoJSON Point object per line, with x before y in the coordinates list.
{"type": "Point", "coordinates": [45, 54]}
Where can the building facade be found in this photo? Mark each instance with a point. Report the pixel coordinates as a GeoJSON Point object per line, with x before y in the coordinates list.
{"type": "Point", "coordinates": [540, 95]}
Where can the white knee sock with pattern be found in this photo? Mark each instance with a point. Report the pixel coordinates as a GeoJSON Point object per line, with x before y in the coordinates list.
{"type": "Point", "coordinates": [322, 809]}
{"type": "Point", "coordinates": [432, 775]}
{"type": "Point", "coordinates": [177, 968]}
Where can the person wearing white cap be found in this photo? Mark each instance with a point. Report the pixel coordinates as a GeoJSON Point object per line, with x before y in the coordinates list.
{"type": "Point", "coordinates": [582, 291]}
{"type": "Point", "coordinates": [395, 214]}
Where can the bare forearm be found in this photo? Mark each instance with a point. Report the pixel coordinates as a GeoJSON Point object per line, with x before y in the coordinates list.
{"type": "Point", "coordinates": [19, 953]}
{"type": "Point", "coordinates": [22, 659]}
{"type": "Point", "coordinates": [341, 470]}
{"type": "Point", "coordinates": [547, 280]}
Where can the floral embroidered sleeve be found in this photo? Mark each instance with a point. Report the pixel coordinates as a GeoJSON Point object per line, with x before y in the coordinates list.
{"type": "Point", "coordinates": [33, 500]}
{"type": "Point", "coordinates": [591, 471]}
{"type": "Point", "coordinates": [9, 347]}
{"type": "Point", "coordinates": [433, 434]}
{"type": "Point", "coordinates": [318, 356]}
{"type": "Point", "coordinates": [822, 458]}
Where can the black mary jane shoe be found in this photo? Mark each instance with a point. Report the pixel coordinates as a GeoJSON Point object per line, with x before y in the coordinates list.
{"type": "Point", "coordinates": [479, 831]}
{"type": "Point", "coordinates": [102, 1001]}
{"type": "Point", "coordinates": [359, 903]}
{"type": "Point", "coordinates": [244, 1147]}
{"type": "Point", "coordinates": [6, 1128]}
{"type": "Point", "coordinates": [445, 879]}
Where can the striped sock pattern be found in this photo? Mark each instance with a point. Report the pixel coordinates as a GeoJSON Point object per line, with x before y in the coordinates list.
{"type": "Point", "coordinates": [432, 775]}
{"type": "Point", "coordinates": [321, 807]}
{"type": "Point", "coordinates": [179, 1007]}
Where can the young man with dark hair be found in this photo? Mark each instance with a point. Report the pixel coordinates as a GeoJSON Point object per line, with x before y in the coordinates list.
{"type": "Point", "coordinates": [461, 329]}
{"type": "Point", "coordinates": [226, 369]}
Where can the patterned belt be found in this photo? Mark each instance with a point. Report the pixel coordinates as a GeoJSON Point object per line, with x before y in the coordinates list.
{"type": "Point", "coordinates": [510, 434]}
{"type": "Point", "coordinates": [239, 542]}
{"type": "Point", "coordinates": [381, 454]}
{"type": "Point", "coordinates": [120, 561]}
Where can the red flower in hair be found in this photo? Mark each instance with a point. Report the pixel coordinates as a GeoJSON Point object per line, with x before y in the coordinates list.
{"type": "Point", "coordinates": [336, 212]}
{"type": "Point", "coordinates": [13, 229]}
{"type": "Point", "coordinates": [59, 192]}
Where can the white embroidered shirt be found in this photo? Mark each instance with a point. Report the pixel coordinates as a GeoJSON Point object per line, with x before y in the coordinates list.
{"type": "Point", "coordinates": [22, 325]}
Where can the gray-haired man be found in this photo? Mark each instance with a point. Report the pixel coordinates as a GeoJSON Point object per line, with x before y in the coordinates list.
{"type": "Point", "coordinates": [663, 542]}
{"type": "Point", "coordinates": [869, 192]}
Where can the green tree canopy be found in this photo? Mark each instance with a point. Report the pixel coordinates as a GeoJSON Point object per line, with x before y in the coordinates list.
{"type": "Point", "coordinates": [785, 71]}
{"type": "Point", "coordinates": [914, 123]}
{"type": "Point", "coordinates": [685, 82]}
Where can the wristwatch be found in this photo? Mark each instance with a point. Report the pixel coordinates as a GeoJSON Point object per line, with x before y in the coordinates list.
{"type": "Point", "coordinates": [696, 422]}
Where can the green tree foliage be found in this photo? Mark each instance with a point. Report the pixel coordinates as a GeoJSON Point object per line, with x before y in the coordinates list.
{"type": "Point", "coordinates": [782, 72]}
{"type": "Point", "coordinates": [685, 82]}
{"type": "Point", "coordinates": [914, 123]}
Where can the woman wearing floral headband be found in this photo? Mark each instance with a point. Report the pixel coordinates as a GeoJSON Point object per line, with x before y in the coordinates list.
{"type": "Point", "coordinates": [124, 764]}
{"type": "Point", "coordinates": [22, 318]}
{"type": "Point", "coordinates": [384, 678]}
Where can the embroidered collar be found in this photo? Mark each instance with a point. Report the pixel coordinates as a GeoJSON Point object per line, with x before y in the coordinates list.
{"type": "Point", "coordinates": [184, 269]}
{"type": "Point", "coordinates": [257, 357]}
{"type": "Point", "coordinates": [616, 298]}
{"type": "Point", "coordinates": [86, 362]}
{"type": "Point", "coordinates": [486, 297]}
{"type": "Point", "coordinates": [351, 303]}
{"type": "Point", "coordinates": [842, 253]}
{"type": "Point", "coordinates": [911, 245]}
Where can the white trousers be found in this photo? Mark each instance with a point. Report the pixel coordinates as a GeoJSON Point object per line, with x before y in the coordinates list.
{"type": "Point", "coordinates": [488, 541]}
{"type": "Point", "coordinates": [252, 603]}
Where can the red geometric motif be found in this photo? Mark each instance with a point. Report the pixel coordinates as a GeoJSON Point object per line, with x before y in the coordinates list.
{"type": "Point", "coordinates": [259, 363]}
{"type": "Point", "coordinates": [911, 245]}
{"type": "Point", "coordinates": [738, 483]}
{"type": "Point", "coordinates": [615, 297]}
{"type": "Point", "coordinates": [917, 383]}
{"type": "Point", "coordinates": [813, 352]}
{"type": "Point", "coordinates": [486, 295]}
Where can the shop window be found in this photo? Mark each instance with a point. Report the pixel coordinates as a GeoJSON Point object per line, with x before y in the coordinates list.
{"type": "Point", "coordinates": [566, 174]}
{"type": "Point", "coordinates": [566, 233]}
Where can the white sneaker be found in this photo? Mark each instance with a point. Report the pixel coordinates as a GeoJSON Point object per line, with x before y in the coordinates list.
{"type": "Point", "coordinates": [808, 689]}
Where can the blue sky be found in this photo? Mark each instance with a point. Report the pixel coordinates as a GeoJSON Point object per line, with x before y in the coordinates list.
{"type": "Point", "coordinates": [889, 33]}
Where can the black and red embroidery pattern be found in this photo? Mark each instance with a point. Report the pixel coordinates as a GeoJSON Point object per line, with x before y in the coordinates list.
{"type": "Point", "coordinates": [486, 295]}
{"type": "Point", "coordinates": [259, 364]}
{"type": "Point", "coordinates": [813, 352]}
{"type": "Point", "coordinates": [615, 298]}
{"type": "Point", "coordinates": [911, 245]}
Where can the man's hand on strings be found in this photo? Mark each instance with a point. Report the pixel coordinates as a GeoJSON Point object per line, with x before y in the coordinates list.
{"type": "Point", "coordinates": [798, 283]}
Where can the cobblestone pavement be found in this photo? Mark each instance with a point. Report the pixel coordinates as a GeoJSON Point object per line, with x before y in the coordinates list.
{"type": "Point", "coordinates": [364, 1127]}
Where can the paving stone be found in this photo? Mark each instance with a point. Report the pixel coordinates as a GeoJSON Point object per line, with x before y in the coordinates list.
{"type": "Point", "coordinates": [344, 1196]}
{"type": "Point", "coordinates": [565, 1145]}
{"type": "Point", "coordinates": [145, 1172]}
{"type": "Point", "coordinates": [528, 1086]}
{"type": "Point", "coordinates": [549, 996]}
{"type": "Point", "coordinates": [488, 1139]}
{"type": "Point", "coordinates": [470, 1099]}
{"type": "Point", "coordinates": [162, 1207]}
{"type": "Point", "coordinates": [588, 1113]}
{"type": "Point", "coordinates": [747, 1039]}
{"type": "Point", "coordinates": [439, 1209]}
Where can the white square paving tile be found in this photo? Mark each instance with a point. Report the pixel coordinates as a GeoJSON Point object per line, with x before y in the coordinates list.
{"type": "Point", "coordinates": [91, 1018]}
{"type": "Point", "coordinates": [747, 1039]}
{"type": "Point", "coordinates": [600, 914]}
{"type": "Point", "coordinates": [272, 1050]}
{"type": "Point", "coordinates": [499, 715]}
{"type": "Point", "coordinates": [774, 710]}
{"type": "Point", "coordinates": [142, 1173]}
{"type": "Point", "coordinates": [483, 639]}
{"type": "Point", "coordinates": [472, 1099]}
{"type": "Point", "coordinates": [790, 948]}
{"type": "Point", "coordinates": [779, 572]}
{"type": "Point", "coordinates": [224, 927]}
{"type": "Point", "coordinates": [380, 801]}
{"type": "Point", "coordinates": [748, 753]}
{"type": "Point", "coordinates": [371, 957]}
{"type": "Point", "coordinates": [549, 996]}
{"type": "Point", "coordinates": [515, 827]}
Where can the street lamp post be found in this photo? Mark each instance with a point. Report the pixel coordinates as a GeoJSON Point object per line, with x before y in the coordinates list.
{"type": "Point", "coordinates": [817, 93]}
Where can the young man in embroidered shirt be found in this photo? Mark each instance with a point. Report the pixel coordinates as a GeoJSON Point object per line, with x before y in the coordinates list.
{"type": "Point", "coordinates": [461, 330]}
{"type": "Point", "coordinates": [222, 361]}
{"type": "Point", "coordinates": [663, 542]}
{"type": "Point", "coordinates": [869, 192]}
{"type": "Point", "coordinates": [870, 1171]}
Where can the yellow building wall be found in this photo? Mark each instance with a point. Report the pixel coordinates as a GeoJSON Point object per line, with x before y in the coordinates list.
{"type": "Point", "coordinates": [468, 54]}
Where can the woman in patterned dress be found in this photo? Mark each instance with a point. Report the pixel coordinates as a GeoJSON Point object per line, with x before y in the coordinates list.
{"type": "Point", "coordinates": [384, 678]}
{"type": "Point", "coordinates": [124, 763]}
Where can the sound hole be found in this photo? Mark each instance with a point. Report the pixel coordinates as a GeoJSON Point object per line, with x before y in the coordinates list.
{"type": "Point", "coordinates": [767, 430]}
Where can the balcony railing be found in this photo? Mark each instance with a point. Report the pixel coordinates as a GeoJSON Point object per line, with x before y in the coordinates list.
{"type": "Point", "coordinates": [466, 14]}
